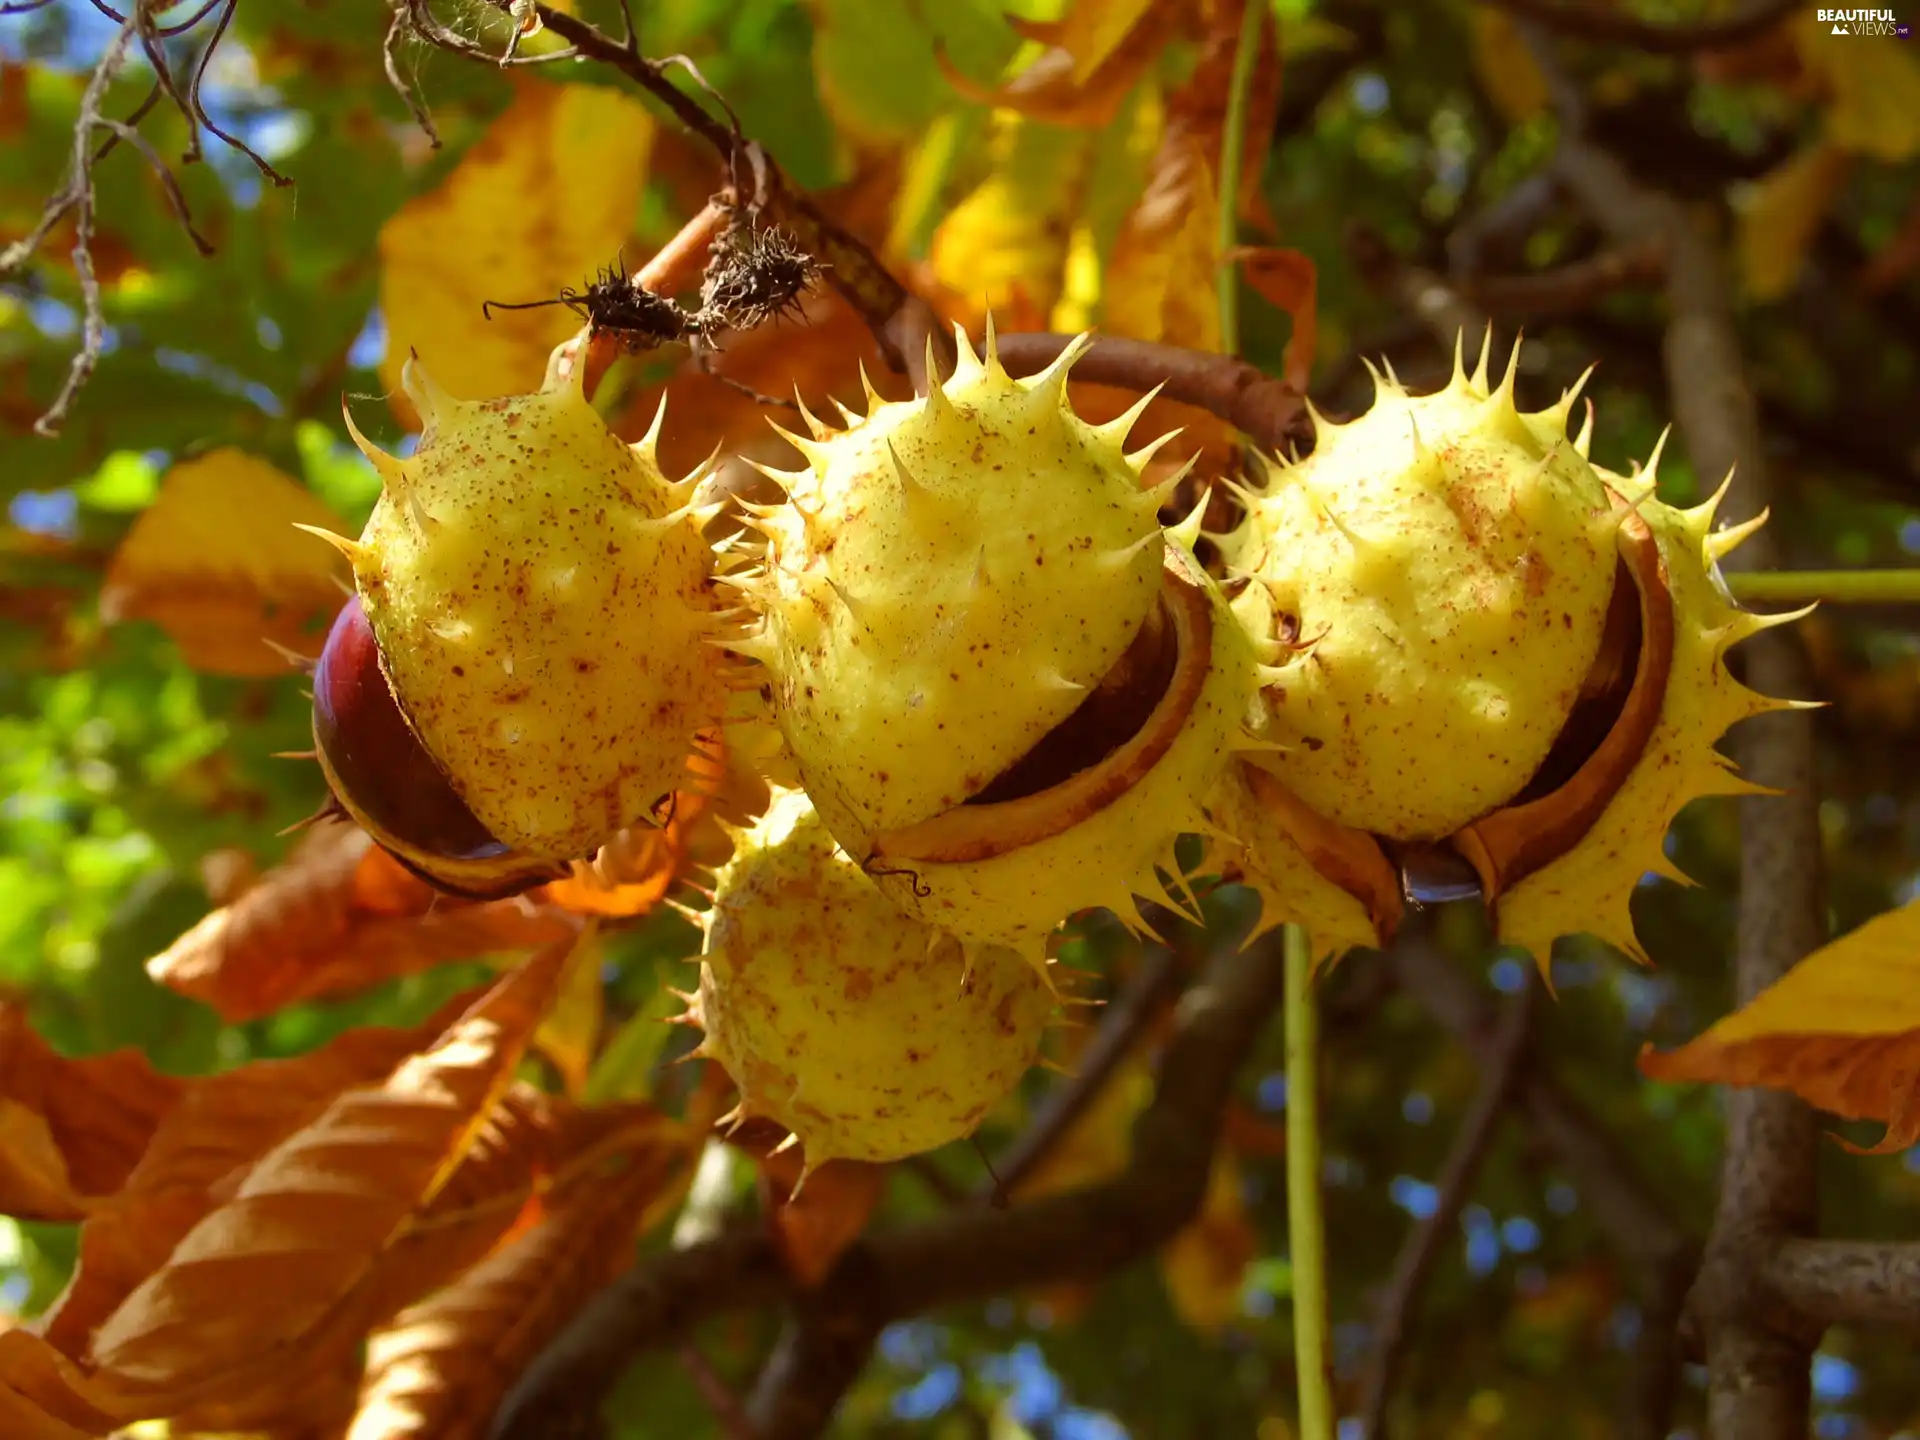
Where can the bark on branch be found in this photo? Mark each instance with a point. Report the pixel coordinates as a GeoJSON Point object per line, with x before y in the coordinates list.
{"type": "Point", "coordinates": [961, 1256]}
{"type": "Point", "coordinates": [1848, 1282]}
{"type": "Point", "coordinates": [1472, 1142]}
{"type": "Point", "coordinates": [1758, 1356]}
{"type": "Point", "coordinates": [1640, 1228]}
{"type": "Point", "coordinates": [1618, 27]}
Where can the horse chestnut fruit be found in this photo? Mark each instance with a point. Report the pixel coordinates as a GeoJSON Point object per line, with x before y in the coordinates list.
{"type": "Point", "coordinates": [387, 782]}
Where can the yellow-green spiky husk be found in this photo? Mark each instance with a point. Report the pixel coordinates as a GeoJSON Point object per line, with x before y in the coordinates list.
{"type": "Point", "coordinates": [1589, 889]}
{"type": "Point", "coordinates": [948, 579]}
{"type": "Point", "coordinates": [1018, 898]}
{"type": "Point", "coordinates": [1447, 563]}
{"type": "Point", "coordinates": [1441, 569]}
{"type": "Point", "coordinates": [540, 594]}
{"type": "Point", "coordinates": [867, 1034]}
{"type": "Point", "coordinates": [1273, 865]}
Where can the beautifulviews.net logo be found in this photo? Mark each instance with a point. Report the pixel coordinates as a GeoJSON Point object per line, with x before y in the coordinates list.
{"type": "Point", "coordinates": [1866, 22]}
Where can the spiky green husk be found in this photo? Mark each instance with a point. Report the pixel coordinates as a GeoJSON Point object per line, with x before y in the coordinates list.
{"type": "Point", "coordinates": [1589, 889]}
{"type": "Point", "coordinates": [1273, 865]}
{"type": "Point", "coordinates": [540, 594]}
{"type": "Point", "coordinates": [1430, 681]}
{"type": "Point", "coordinates": [949, 578]}
{"type": "Point", "coordinates": [844, 1020]}
{"type": "Point", "coordinates": [1445, 564]}
{"type": "Point", "coordinates": [1019, 898]}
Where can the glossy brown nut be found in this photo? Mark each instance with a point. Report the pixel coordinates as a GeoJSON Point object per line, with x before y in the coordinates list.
{"type": "Point", "coordinates": [391, 786]}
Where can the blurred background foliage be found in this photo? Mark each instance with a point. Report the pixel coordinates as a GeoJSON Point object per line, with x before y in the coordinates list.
{"type": "Point", "coordinates": [1407, 144]}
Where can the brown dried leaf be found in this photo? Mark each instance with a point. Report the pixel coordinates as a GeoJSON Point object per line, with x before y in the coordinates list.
{"type": "Point", "coordinates": [1162, 279]}
{"type": "Point", "coordinates": [70, 1130]}
{"type": "Point", "coordinates": [244, 1288]}
{"type": "Point", "coordinates": [834, 1202]}
{"type": "Point", "coordinates": [1288, 279]}
{"type": "Point", "coordinates": [216, 563]}
{"type": "Point", "coordinates": [1058, 89]}
{"type": "Point", "coordinates": [444, 1365]}
{"type": "Point", "coordinates": [338, 915]}
{"type": "Point", "coordinates": [201, 1150]}
{"type": "Point", "coordinates": [570, 1035]}
{"type": "Point", "coordinates": [42, 1393]}
{"type": "Point", "coordinates": [814, 1227]}
{"type": "Point", "coordinates": [527, 1141]}
{"type": "Point", "coordinates": [1841, 1030]}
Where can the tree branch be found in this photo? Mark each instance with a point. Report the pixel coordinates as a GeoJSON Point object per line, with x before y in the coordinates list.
{"type": "Point", "coordinates": [1848, 1282]}
{"type": "Point", "coordinates": [1638, 1225]}
{"type": "Point", "coordinates": [1267, 410]}
{"type": "Point", "coordinates": [1757, 1355]}
{"type": "Point", "coordinates": [1500, 1073]}
{"type": "Point", "coordinates": [1617, 27]}
{"type": "Point", "coordinates": [1152, 989]}
{"type": "Point", "coordinates": [900, 321]}
{"type": "Point", "coordinates": [655, 1304]}
{"type": "Point", "coordinates": [961, 1256]}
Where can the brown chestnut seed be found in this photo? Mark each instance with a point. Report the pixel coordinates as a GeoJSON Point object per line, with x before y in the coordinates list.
{"type": "Point", "coordinates": [390, 785]}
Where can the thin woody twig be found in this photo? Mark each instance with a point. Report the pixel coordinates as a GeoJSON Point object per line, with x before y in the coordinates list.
{"type": "Point", "coordinates": [1267, 410]}
{"type": "Point", "coordinates": [1849, 1282]}
{"type": "Point", "coordinates": [1618, 27]}
{"type": "Point", "coordinates": [901, 322]}
{"type": "Point", "coordinates": [1499, 1079]}
{"type": "Point", "coordinates": [1758, 1355]}
{"type": "Point", "coordinates": [77, 196]}
{"type": "Point", "coordinates": [1637, 1223]}
{"type": "Point", "coordinates": [956, 1257]}
{"type": "Point", "coordinates": [721, 1400]}
{"type": "Point", "coordinates": [1150, 991]}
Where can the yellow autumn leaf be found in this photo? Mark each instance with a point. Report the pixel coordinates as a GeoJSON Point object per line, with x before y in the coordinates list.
{"type": "Point", "coordinates": [1092, 30]}
{"type": "Point", "coordinates": [215, 562]}
{"type": "Point", "coordinates": [1841, 1030]}
{"type": "Point", "coordinates": [1004, 246]}
{"type": "Point", "coordinates": [1873, 89]}
{"type": "Point", "coordinates": [1780, 214]}
{"type": "Point", "coordinates": [570, 1033]}
{"type": "Point", "coordinates": [542, 201]}
{"type": "Point", "coordinates": [1160, 284]}
{"type": "Point", "coordinates": [1203, 1267]}
{"type": "Point", "coordinates": [1162, 281]}
{"type": "Point", "coordinates": [1504, 66]}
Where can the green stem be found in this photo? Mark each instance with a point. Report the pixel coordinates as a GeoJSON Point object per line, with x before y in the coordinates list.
{"type": "Point", "coordinates": [1306, 1221]}
{"type": "Point", "coordinates": [1835, 587]}
{"type": "Point", "coordinates": [1232, 147]}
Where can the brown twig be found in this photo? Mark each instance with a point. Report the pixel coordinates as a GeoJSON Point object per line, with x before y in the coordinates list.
{"type": "Point", "coordinates": [75, 196]}
{"type": "Point", "coordinates": [1848, 1282]}
{"type": "Point", "coordinates": [1618, 27]}
{"type": "Point", "coordinates": [1638, 1224]}
{"type": "Point", "coordinates": [1500, 1073]}
{"type": "Point", "coordinates": [1758, 1354]}
{"type": "Point", "coordinates": [900, 321]}
{"type": "Point", "coordinates": [1266, 410]}
{"type": "Point", "coordinates": [725, 1405]}
{"type": "Point", "coordinates": [1571, 287]}
{"type": "Point", "coordinates": [654, 1304]}
{"type": "Point", "coordinates": [1144, 998]}
{"type": "Point", "coordinates": [960, 1256]}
